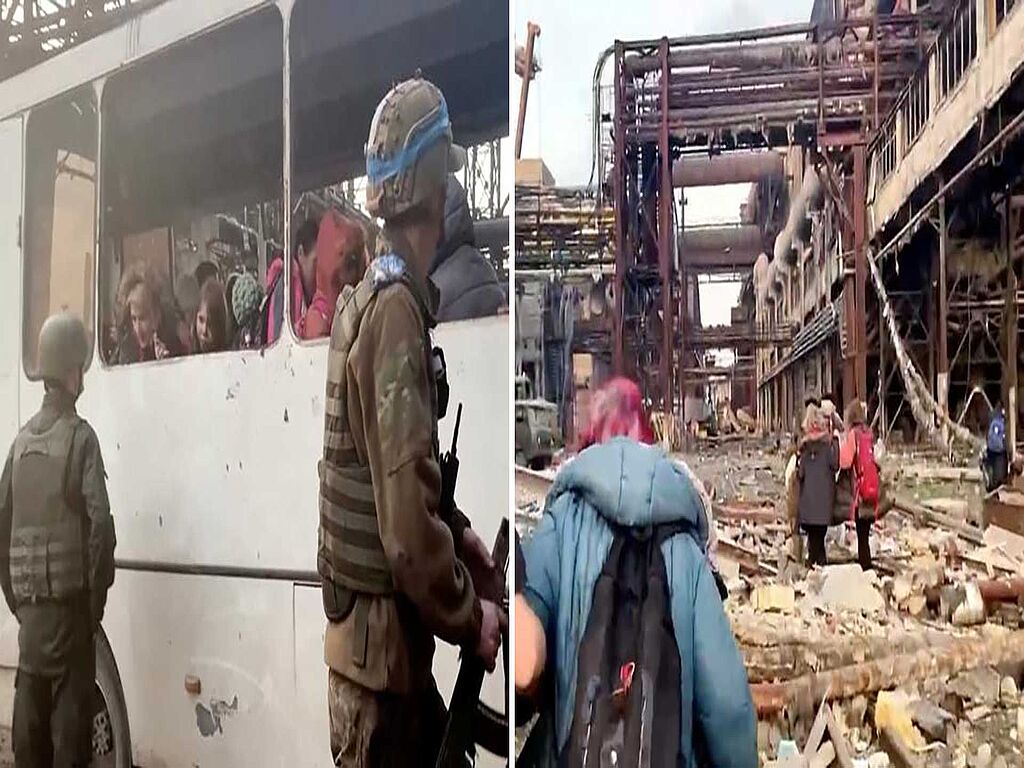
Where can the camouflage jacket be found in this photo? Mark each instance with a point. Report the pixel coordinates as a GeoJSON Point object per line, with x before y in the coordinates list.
{"type": "Point", "coordinates": [392, 414]}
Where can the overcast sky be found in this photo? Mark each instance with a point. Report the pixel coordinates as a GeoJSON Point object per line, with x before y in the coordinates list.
{"type": "Point", "coordinates": [573, 35]}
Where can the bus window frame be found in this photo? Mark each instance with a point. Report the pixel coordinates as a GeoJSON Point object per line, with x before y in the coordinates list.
{"type": "Point", "coordinates": [103, 263]}
{"type": "Point", "coordinates": [29, 346]}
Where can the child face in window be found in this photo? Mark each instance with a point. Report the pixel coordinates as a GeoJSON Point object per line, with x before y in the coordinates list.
{"type": "Point", "coordinates": [143, 315]}
{"type": "Point", "coordinates": [204, 331]}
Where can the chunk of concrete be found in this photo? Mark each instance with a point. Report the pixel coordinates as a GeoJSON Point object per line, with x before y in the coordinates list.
{"type": "Point", "coordinates": [1008, 695]}
{"type": "Point", "coordinates": [774, 597]}
{"type": "Point", "coordinates": [978, 686]}
{"type": "Point", "coordinates": [847, 587]}
{"type": "Point", "coordinates": [930, 719]}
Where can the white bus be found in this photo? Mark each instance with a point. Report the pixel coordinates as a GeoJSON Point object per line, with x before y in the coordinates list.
{"type": "Point", "coordinates": [199, 131]}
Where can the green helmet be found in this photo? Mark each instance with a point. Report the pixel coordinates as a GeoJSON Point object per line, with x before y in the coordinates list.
{"type": "Point", "coordinates": [409, 152]}
{"type": "Point", "coordinates": [63, 347]}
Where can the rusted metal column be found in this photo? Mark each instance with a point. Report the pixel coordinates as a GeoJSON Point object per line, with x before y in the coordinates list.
{"type": "Point", "coordinates": [532, 31]}
{"type": "Point", "coordinates": [1012, 323]}
{"type": "Point", "coordinates": [619, 181]}
{"type": "Point", "coordinates": [942, 332]}
{"type": "Point", "coordinates": [665, 261]}
{"type": "Point", "coordinates": [861, 271]}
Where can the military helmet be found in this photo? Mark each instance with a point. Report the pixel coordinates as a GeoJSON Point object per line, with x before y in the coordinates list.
{"type": "Point", "coordinates": [63, 347]}
{"type": "Point", "coordinates": [409, 152]}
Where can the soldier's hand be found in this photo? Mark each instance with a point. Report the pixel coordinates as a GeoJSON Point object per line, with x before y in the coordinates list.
{"type": "Point", "coordinates": [487, 580]}
{"type": "Point", "coordinates": [491, 625]}
{"type": "Point", "coordinates": [474, 552]}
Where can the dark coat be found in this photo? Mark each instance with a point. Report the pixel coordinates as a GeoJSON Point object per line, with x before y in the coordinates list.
{"type": "Point", "coordinates": [817, 463]}
{"type": "Point", "coordinates": [466, 280]}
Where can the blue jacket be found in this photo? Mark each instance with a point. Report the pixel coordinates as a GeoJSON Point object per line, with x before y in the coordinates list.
{"type": "Point", "coordinates": [637, 485]}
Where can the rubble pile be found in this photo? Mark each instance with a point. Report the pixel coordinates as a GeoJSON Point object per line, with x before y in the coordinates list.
{"type": "Point", "coordinates": [916, 663]}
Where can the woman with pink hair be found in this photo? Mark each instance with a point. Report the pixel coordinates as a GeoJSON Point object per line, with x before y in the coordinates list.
{"type": "Point", "coordinates": [617, 410]}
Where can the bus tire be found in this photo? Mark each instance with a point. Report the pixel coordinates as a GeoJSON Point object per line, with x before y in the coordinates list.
{"type": "Point", "coordinates": [111, 739]}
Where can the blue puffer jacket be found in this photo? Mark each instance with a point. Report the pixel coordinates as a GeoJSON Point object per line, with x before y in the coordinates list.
{"type": "Point", "coordinates": [631, 484]}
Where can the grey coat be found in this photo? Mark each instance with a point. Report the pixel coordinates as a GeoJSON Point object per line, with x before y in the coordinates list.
{"type": "Point", "coordinates": [466, 280]}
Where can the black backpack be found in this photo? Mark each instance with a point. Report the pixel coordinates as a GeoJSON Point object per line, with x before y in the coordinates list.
{"type": "Point", "coordinates": [627, 704]}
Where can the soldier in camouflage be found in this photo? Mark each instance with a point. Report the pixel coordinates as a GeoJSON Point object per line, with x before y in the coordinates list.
{"type": "Point", "coordinates": [395, 576]}
{"type": "Point", "coordinates": [56, 558]}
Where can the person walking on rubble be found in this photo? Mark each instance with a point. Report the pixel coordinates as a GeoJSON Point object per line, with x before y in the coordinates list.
{"type": "Point", "coordinates": [394, 574]}
{"type": "Point", "coordinates": [858, 473]}
{"type": "Point", "coordinates": [817, 462]}
{"type": "Point", "coordinates": [628, 630]}
{"type": "Point", "coordinates": [57, 562]}
{"type": "Point", "coordinates": [995, 463]}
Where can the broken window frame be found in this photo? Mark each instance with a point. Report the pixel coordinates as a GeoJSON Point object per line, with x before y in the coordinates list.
{"type": "Point", "coordinates": [48, 127]}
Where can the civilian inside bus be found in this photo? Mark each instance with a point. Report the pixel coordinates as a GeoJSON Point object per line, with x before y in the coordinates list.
{"type": "Point", "coordinates": [303, 281]}
{"type": "Point", "coordinates": [206, 270]}
{"type": "Point", "coordinates": [340, 261]}
{"type": "Point", "coordinates": [210, 331]}
{"type": "Point", "coordinates": [147, 329]}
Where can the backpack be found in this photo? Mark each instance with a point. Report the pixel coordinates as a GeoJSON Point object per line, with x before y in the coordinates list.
{"type": "Point", "coordinates": [627, 704]}
{"type": "Point", "coordinates": [996, 441]}
{"type": "Point", "coordinates": [867, 481]}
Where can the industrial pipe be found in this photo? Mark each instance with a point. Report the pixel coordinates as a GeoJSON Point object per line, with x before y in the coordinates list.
{"type": "Point", "coordinates": [960, 654]}
{"type": "Point", "coordinates": [722, 239]}
{"type": "Point", "coordinates": [731, 168]}
{"type": "Point", "coordinates": [808, 197]}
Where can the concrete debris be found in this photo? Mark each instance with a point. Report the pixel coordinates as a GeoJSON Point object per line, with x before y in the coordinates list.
{"type": "Point", "coordinates": [847, 587]}
{"type": "Point", "coordinates": [982, 758]}
{"type": "Point", "coordinates": [1008, 696]}
{"type": "Point", "coordinates": [905, 655]}
{"type": "Point", "coordinates": [977, 686]}
{"type": "Point", "coordinates": [892, 710]}
{"type": "Point", "coordinates": [933, 721]}
{"type": "Point", "coordinates": [774, 597]}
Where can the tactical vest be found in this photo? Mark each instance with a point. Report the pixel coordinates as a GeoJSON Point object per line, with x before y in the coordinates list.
{"type": "Point", "coordinates": [47, 537]}
{"type": "Point", "coordinates": [350, 556]}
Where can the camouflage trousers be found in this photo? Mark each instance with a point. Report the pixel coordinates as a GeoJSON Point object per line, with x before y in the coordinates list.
{"type": "Point", "coordinates": [375, 728]}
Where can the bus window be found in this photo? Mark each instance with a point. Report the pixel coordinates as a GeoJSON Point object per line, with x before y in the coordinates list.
{"type": "Point", "coordinates": [192, 180]}
{"type": "Point", "coordinates": [60, 214]}
{"type": "Point", "coordinates": [333, 96]}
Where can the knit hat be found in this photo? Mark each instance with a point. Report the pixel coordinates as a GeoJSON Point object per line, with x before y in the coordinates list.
{"type": "Point", "coordinates": [245, 298]}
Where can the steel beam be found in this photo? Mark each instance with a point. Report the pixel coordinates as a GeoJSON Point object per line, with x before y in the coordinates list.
{"type": "Point", "coordinates": [532, 31]}
{"type": "Point", "coordinates": [619, 181]}
{"type": "Point", "coordinates": [861, 270]}
{"type": "Point", "coordinates": [1012, 325]}
{"type": "Point", "coordinates": [665, 261]}
{"type": "Point", "coordinates": [942, 332]}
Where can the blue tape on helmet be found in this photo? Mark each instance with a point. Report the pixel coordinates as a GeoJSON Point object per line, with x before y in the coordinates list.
{"type": "Point", "coordinates": [380, 169]}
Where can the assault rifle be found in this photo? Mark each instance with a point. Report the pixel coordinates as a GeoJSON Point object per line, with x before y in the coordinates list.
{"type": "Point", "coordinates": [449, 463]}
{"type": "Point", "coordinates": [469, 721]}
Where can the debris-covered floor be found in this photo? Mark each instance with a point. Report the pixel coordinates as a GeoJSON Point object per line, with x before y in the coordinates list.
{"type": "Point", "coordinates": [920, 662]}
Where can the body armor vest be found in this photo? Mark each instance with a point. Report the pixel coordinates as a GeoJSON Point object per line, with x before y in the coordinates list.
{"type": "Point", "coordinates": [349, 554]}
{"type": "Point", "coordinates": [47, 537]}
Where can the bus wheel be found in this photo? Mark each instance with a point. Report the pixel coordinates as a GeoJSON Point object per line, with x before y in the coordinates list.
{"type": "Point", "coordinates": [111, 740]}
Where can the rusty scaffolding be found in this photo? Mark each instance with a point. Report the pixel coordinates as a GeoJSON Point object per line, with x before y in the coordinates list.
{"type": "Point", "coordinates": [824, 87]}
{"type": "Point", "coordinates": [32, 31]}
